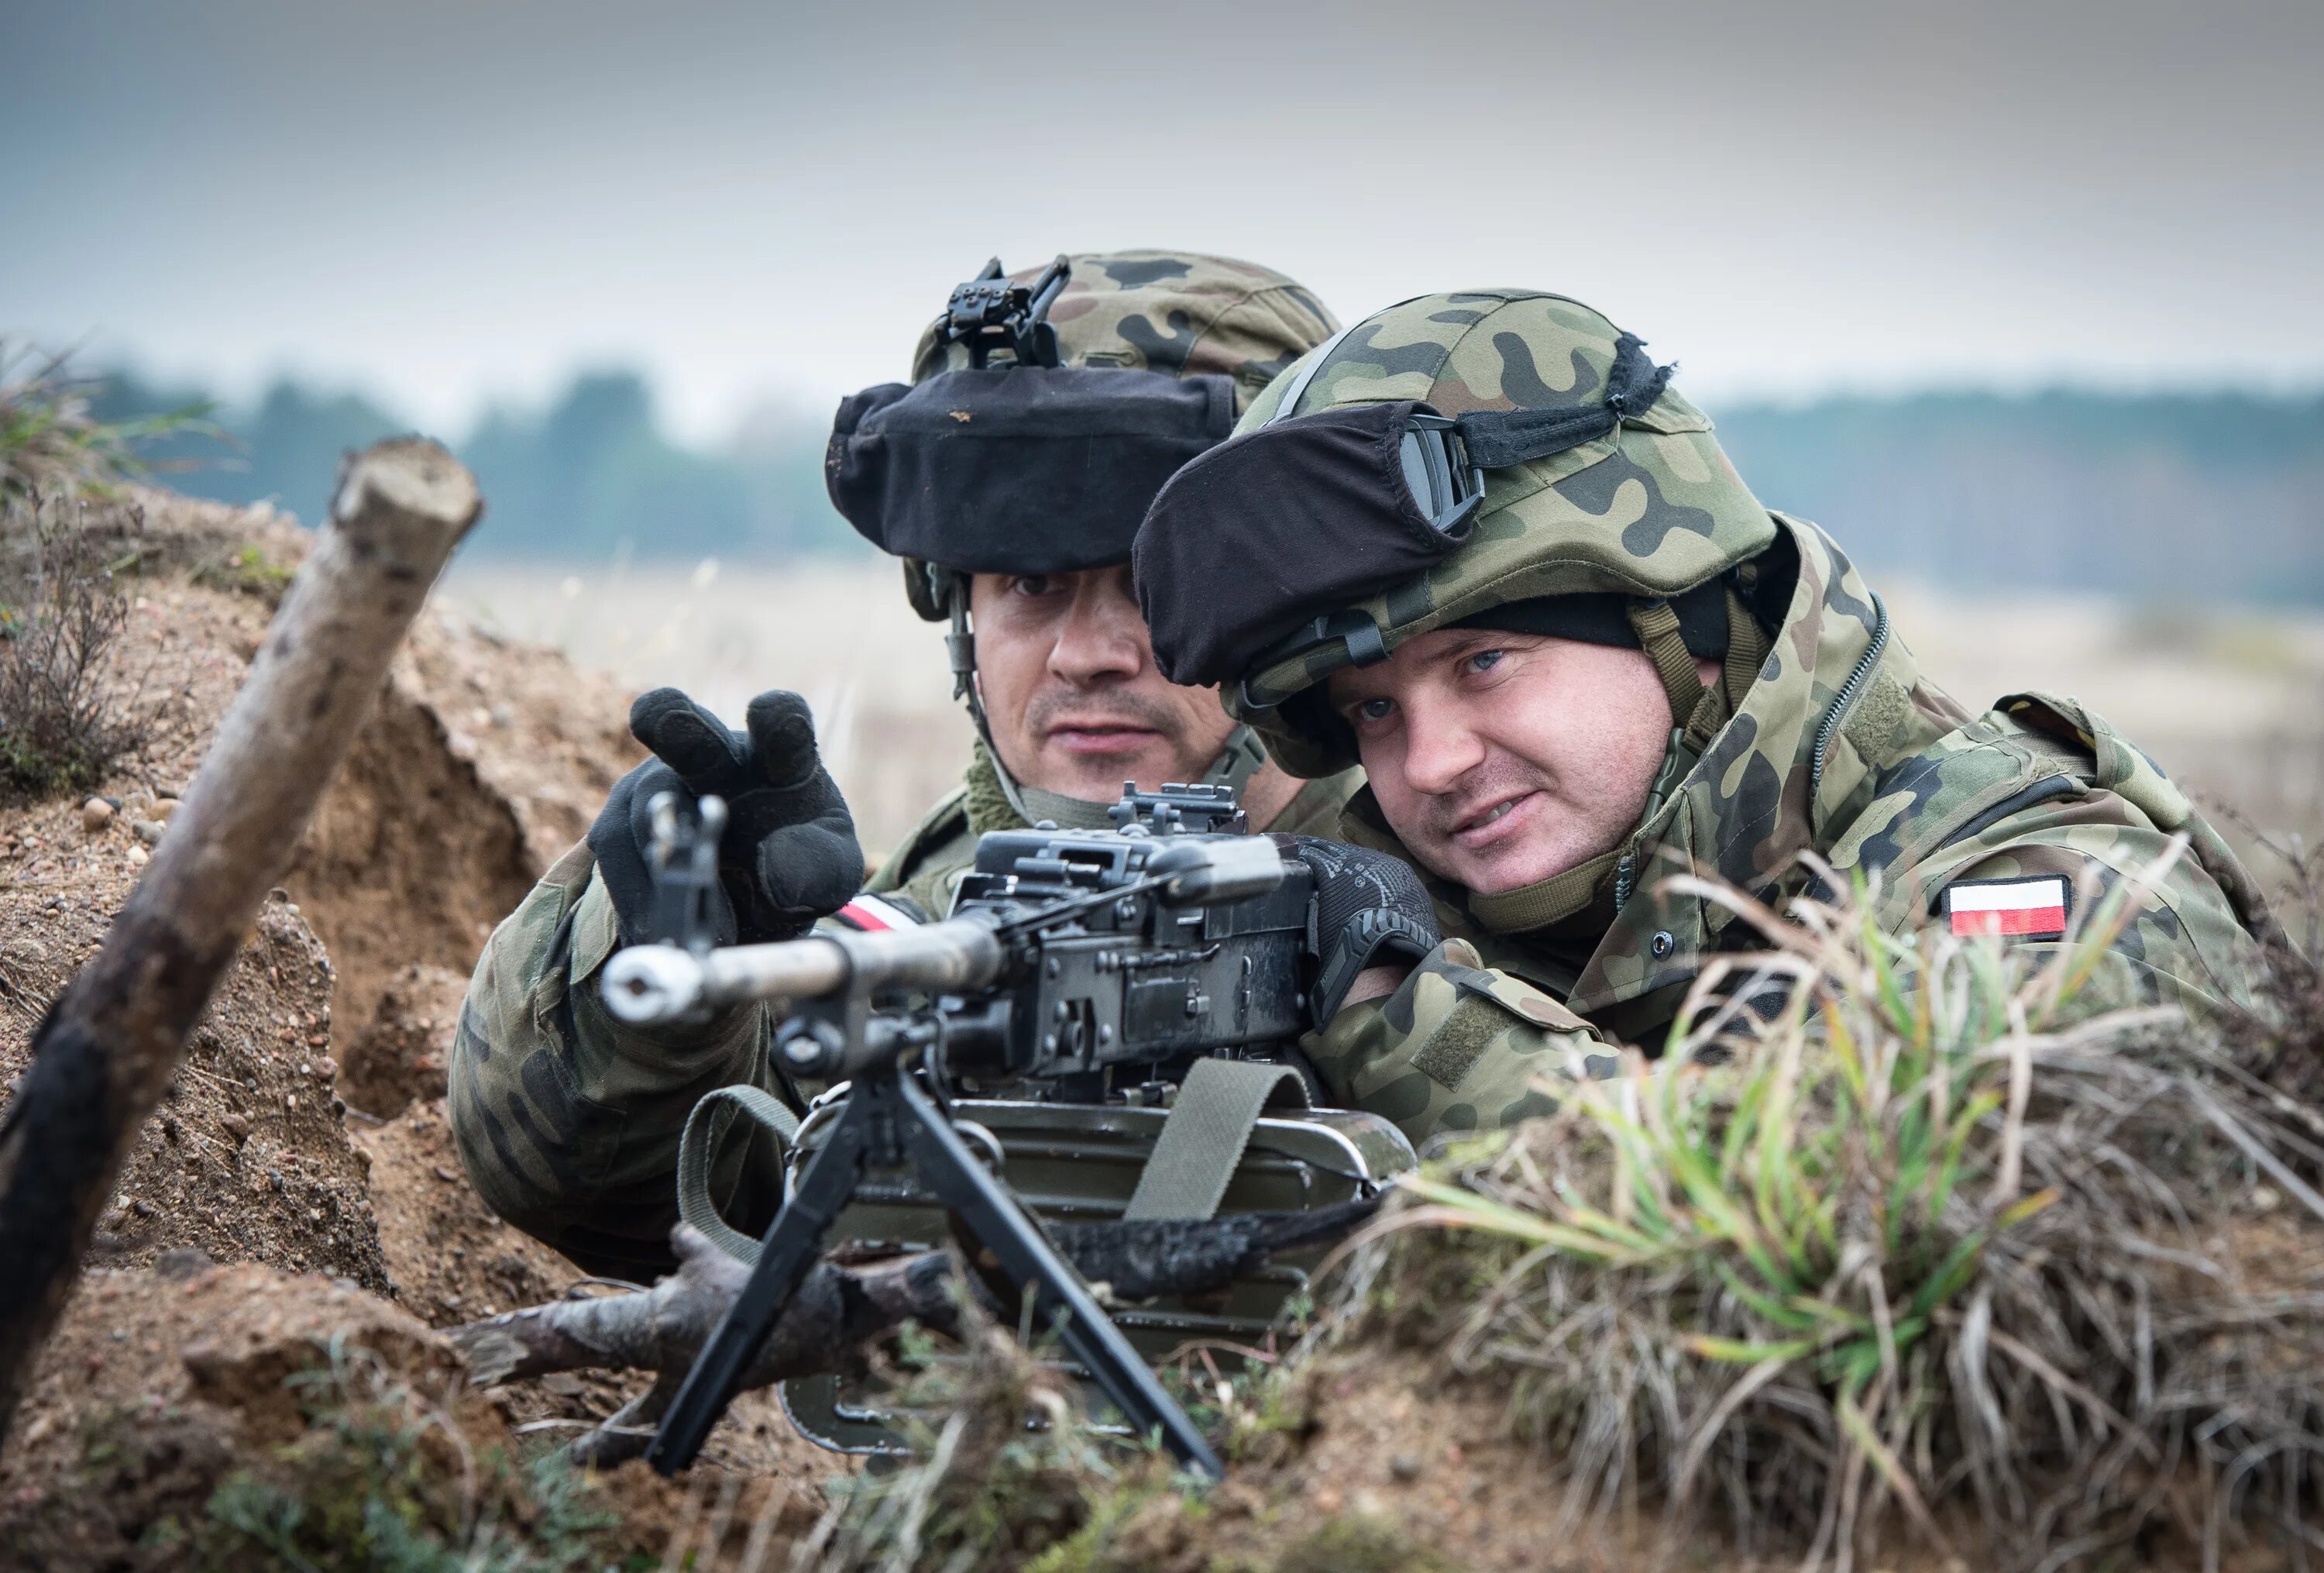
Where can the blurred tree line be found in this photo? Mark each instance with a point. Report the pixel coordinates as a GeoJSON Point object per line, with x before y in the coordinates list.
{"type": "Point", "coordinates": [592, 475]}
{"type": "Point", "coordinates": [2159, 497]}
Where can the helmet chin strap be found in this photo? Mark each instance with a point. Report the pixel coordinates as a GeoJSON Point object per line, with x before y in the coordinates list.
{"type": "Point", "coordinates": [1240, 757]}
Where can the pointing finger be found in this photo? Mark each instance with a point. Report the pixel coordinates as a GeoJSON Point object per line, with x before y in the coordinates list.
{"type": "Point", "coordinates": [782, 738]}
{"type": "Point", "coordinates": [687, 738]}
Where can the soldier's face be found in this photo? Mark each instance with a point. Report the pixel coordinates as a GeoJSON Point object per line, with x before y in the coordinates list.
{"type": "Point", "coordinates": [1500, 759]}
{"type": "Point", "coordinates": [1067, 672]}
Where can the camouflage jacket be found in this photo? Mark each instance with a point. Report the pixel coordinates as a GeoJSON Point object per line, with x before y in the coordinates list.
{"type": "Point", "coordinates": [568, 1121]}
{"type": "Point", "coordinates": [1843, 749]}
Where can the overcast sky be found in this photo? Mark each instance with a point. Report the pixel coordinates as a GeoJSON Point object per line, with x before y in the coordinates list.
{"type": "Point", "coordinates": [447, 201]}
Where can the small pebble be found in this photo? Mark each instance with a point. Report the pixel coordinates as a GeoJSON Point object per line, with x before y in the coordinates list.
{"type": "Point", "coordinates": [1405, 1466]}
{"type": "Point", "coordinates": [163, 808]}
{"type": "Point", "coordinates": [95, 815]}
{"type": "Point", "coordinates": [182, 1261]}
{"type": "Point", "coordinates": [138, 857]}
{"type": "Point", "coordinates": [148, 831]}
{"type": "Point", "coordinates": [233, 1125]}
{"type": "Point", "coordinates": [327, 1067]}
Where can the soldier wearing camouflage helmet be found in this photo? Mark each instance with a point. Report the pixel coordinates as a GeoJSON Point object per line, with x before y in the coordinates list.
{"type": "Point", "coordinates": [1483, 548]}
{"type": "Point", "coordinates": [1046, 410]}
{"type": "Point", "coordinates": [1037, 497]}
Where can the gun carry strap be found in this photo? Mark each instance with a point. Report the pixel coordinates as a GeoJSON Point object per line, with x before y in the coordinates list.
{"type": "Point", "coordinates": [1203, 1140]}
{"type": "Point", "coordinates": [705, 1127]}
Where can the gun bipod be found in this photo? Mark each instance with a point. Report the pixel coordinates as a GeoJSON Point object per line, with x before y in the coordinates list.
{"type": "Point", "coordinates": [889, 1121]}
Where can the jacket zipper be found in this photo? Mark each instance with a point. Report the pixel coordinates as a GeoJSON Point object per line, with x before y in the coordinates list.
{"type": "Point", "coordinates": [1846, 697]}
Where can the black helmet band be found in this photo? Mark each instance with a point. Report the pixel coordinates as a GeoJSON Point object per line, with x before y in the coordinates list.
{"type": "Point", "coordinates": [1293, 520]}
{"type": "Point", "coordinates": [1020, 469]}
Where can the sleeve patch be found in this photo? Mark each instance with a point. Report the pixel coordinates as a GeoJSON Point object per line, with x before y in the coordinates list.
{"type": "Point", "coordinates": [1459, 1042]}
{"type": "Point", "coordinates": [2020, 909]}
{"type": "Point", "coordinates": [871, 913]}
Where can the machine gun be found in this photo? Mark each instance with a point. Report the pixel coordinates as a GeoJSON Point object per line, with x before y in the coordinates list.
{"type": "Point", "coordinates": [1094, 963]}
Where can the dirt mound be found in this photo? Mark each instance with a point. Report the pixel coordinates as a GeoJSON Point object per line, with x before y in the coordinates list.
{"type": "Point", "coordinates": [453, 1261]}
{"type": "Point", "coordinates": [247, 1157]}
{"type": "Point", "coordinates": [169, 1397]}
{"type": "Point", "coordinates": [221, 1417]}
{"type": "Point", "coordinates": [430, 836]}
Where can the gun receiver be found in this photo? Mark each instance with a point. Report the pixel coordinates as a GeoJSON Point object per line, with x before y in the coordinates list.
{"type": "Point", "coordinates": [1083, 950]}
{"type": "Point", "coordinates": [1069, 955]}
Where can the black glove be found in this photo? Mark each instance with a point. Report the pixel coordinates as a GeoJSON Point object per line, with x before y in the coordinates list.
{"type": "Point", "coordinates": [789, 854]}
{"type": "Point", "coordinates": [1371, 909]}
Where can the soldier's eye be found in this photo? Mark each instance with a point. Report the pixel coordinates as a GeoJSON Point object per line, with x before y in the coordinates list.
{"type": "Point", "coordinates": [1485, 660]}
{"type": "Point", "coordinates": [1373, 709]}
{"type": "Point", "coordinates": [1034, 584]}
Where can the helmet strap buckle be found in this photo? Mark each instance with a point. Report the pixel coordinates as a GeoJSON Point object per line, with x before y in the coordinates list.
{"type": "Point", "coordinates": [1679, 760]}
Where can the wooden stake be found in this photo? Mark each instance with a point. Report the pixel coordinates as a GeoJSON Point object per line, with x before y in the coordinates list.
{"type": "Point", "coordinates": [111, 1042]}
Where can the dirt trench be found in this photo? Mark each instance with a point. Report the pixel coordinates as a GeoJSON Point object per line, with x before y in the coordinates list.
{"type": "Point", "coordinates": [410, 863]}
{"type": "Point", "coordinates": [483, 762]}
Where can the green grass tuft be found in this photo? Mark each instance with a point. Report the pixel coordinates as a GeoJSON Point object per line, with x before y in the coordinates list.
{"type": "Point", "coordinates": [385, 1481]}
{"type": "Point", "coordinates": [52, 446]}
{"type": "Point", "coordinates": [1922, 1250]}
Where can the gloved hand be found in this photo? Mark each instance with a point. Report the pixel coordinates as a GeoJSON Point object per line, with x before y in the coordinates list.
{"type": "Point", "coordinates": [789, 854]}
{"type": "Point", "coordinates": [1371, 910]}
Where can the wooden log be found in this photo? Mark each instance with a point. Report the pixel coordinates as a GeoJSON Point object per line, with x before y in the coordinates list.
{"type": "Point", "coordinates": [110, 1045]}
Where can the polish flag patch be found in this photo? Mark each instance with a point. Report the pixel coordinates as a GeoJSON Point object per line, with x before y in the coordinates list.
{"type": "Point", "coordinates": [2023, 909]}
{"type": "Point", "coordinates": [869, 913]}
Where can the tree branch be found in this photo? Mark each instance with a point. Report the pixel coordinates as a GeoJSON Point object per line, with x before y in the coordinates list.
{"type": "Point", "coordinates": [840, 1310]}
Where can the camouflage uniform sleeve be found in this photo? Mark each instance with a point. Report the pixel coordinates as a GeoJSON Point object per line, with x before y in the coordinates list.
{"type": "Point", "coordinates": [2177, 940]}
{"type": "Point", "coordinates": [2183, 914]}
{"type": "Point", "coordinates": [568, 1121]}
{"type": "Point", "coordinates": [1457, 1047]}
{"type": "Point", "coordinates": [927, 864]}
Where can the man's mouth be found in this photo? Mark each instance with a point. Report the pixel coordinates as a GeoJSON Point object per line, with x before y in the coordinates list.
{"type": "Point", "coordinates": [1101, 737]}
{"type": "Point", "coordinates": [1490, 824]}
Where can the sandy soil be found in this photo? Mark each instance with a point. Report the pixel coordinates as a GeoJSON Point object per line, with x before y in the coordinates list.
{"type": "Point", "coordinates": [304, 1138]}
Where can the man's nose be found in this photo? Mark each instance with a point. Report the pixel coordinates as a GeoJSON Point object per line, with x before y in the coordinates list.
{"type": "Point", "coordinates": [1440, 748]}
{"type": "Point", "coordinates": [1103, 637]}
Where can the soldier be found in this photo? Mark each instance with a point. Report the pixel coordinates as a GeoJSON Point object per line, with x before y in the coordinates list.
{"type": "Point", "coordinates": [1483, 548]}
{"type": "Point", "coordinates": [1013, 499]}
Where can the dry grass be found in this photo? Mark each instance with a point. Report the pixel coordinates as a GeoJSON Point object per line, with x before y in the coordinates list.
{"type": "Point", "coordinates": [988, 1490]}
{"type": "Point", "coordinates": [52, 446]}
{"type": "Point", "coordinates": [1921, 1255]}
{"type": "Point", "coordinates": [69, 711]}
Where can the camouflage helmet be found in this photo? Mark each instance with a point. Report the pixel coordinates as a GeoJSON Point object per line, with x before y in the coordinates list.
{"type": "Point", "coordinates": [1176, 312]}
{"type": "Point", "coordinates": [1649, 510]}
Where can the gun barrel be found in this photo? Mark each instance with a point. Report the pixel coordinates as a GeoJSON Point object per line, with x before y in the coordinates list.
{"type": "Point", "coordinates": [655, 985]}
